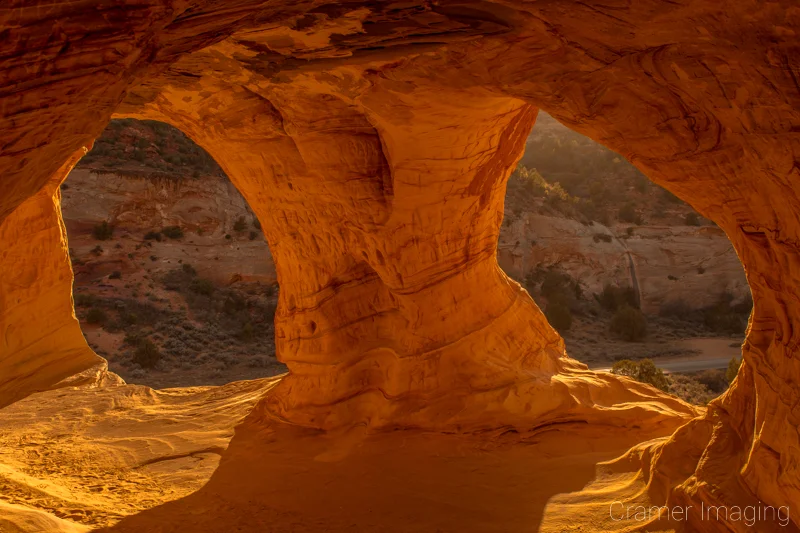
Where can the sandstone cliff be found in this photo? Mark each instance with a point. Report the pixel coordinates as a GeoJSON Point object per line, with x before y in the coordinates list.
{"type": "Point", "coordinates": [665, 264]}
{"type": "Point", "coordinates": [206, 208]}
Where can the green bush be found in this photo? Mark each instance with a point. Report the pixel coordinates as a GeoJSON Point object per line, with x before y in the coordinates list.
{"type": "Point", "coordinates": [115, 275]}
{"type": "Point", "coordinates": [173, 232]}
{"type": "Point", "coordinates": [613, 297]}
{"type": "Point", "coordinates": [597, 237]}
{"type": "Point", "coordinates": [152, 236]}
{"type": "Point", "coordinates": [84, 300]}
{"type": "Point", "coordinates": [678, 309]}
{"type": "Point", "coordinates": [723, 318]}
{"type": "Point", "coordinates": [559, 315]}
{"type": "Point", "coordinates": [247, 333]}
{"type": "Point", "coordinates": [189, 270]}
{"type": "Point", "coordinates": [240, 225]}
{"type": "Point", "coordinates": [644, 371]}
{"type": "Point", "coordinates": [733, 369]}
{"type": "Point", "coordinates": [690, 390]}
{"type": "Point", "coordinates": [627, 213]}
{"type": "Point", "coordinates": [147, 354]}
{"type": "Point", "coordinates": [253, 235]}
{"type": "Point", "coordinates": [202, 286]}
{"type": "Point", "coordinates": [103, 231]}
{"type": "Point", "coordinates": [715, 380]}
{"type": "Point", "coordinates": [629, 324]}
{"type": "Point", "coordinates": [96, 316]}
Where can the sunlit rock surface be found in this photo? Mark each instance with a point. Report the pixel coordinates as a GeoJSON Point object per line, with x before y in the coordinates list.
{"type": "Point", "coordinates": [373, 141]}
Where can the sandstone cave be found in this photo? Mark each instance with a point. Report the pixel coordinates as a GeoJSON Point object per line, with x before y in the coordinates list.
{"type": "Point", "coordinates": [373, 141]}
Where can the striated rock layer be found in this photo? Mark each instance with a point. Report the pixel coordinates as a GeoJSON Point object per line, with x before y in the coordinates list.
{"type": "Point", "coordinates": [666, 264]}
{"type": "Point", "coordinates": [373, 141]}
{"type": "Point", "coordinates": [207, 208]}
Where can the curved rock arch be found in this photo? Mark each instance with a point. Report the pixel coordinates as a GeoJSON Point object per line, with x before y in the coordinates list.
{"type": "Point", "coordinates": [703, 99]}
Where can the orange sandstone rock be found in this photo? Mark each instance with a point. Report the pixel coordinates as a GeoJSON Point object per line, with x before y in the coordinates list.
{"type": "Point", "coordinates": [373, 141]}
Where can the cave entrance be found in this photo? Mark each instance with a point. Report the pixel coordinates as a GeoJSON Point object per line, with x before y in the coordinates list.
{"type": "Point", "coordinates": [174, 281]}
{"type": "Point", "coordinates": [623, 269]}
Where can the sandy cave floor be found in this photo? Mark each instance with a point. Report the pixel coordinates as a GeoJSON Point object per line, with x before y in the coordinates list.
{"type": "Point", "coordinates": [129, 458]}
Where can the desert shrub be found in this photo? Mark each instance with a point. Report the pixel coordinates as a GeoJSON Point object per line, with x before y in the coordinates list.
{"type": "Point", "coordinates": [97, 250]}
{"type": "Point", "coordinates": [597, 237]}
{"type": "Point", "coordinates": [103, 231]}
{"type": "Point", "coordinates": [96, 316]}
{"type": "Point", "coordinates": [644, 371]}
{"type": "Point", "coordinates": [173, 232]}
{"type": "Point", "coordinates": [690, 389]}
{"type": "Point", "coordinates": [723, 318]}
{"type": "Point", "coordinates": [233, 304]}
{"type": "Point", "coordinates": [613, 297]}
{"type": "Point", "coordinates": [554, 283]}
{"type": "Point", "coordinates": [253, 235]}
{"type": "Point", "coordinates": [202, 286]}
{"type": "Point", "coordinates": [188, 270]}
{"type": "Point", "coordinates": [240, 225]}
{"type": "Point", "coordinates": [559, 315]}
{"type": "Point", "coordinates": [228, 236]}
{"type": "Point", "coordinates": [627, 213]}
{"type": "Point", "coordinates": [84, 300]}
{"type": "Point", "coordinates": [679, 309]}
{"type": "Point", "coordinates": [256, 223]}
{"type": "Point", "coordinates": [153, 236]}
{"type": "Point", "coordinates": [629, 324]}
{"type": "Point", "coordinates": [115, 275]}
{"type": "Point", "coordinates": [247, 333]}
{"type": "Point", "coordinates": [715, 380]}
{"type": "Point", "coordinates": [146, 354]}
{"type": "Point", "coordinates": [691, 219]}
{"type": "Point", "coordinates": [733, 369]}
{"type": "Point", "coordinates": [528, 182]}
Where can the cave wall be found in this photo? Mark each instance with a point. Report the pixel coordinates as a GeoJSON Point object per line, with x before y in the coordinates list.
{"type": "Point", "coordinates": [373, 141]}
{"type": "Point", "coordinates": [41, 343]}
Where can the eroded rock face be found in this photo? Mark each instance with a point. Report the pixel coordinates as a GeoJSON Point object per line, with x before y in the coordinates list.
{"type": "Point", "coordinates": [207, 208]}
{"type": "Point", "coordinates": [373, 141]}
{"type": "Point", "coordinates": [665, 264]}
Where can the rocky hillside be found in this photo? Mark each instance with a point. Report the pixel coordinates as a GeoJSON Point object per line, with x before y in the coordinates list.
{"type": "Point", "coordinates": [172, 272]}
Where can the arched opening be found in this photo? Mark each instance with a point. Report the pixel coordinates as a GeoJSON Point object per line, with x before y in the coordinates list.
{"type": "Point", "coordinates": [174, 283]}
{"type": "Point", "coordinates": [635, 280]}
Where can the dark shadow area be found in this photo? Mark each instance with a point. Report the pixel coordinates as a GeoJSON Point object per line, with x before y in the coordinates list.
{"type": "Point", "coordinates": [284, 479]}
